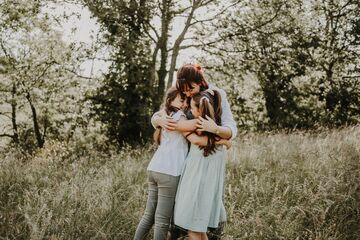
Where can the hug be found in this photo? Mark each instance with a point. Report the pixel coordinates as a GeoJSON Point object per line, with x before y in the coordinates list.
{"type": "Point", "coordinates": [194, 127]}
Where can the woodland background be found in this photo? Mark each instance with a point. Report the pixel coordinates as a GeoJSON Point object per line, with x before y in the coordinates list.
{"type": "Point", "coordinates": [291, 70]}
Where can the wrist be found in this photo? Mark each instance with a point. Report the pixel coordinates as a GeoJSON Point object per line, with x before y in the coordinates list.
{"type": "Point", "coordinates": [217, 130]}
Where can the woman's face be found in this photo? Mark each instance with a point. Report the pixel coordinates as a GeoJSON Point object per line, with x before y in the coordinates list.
{"type": "Point", "coordinates": [194, 110]}
{"type": "Point", "coordinates": [179, 102]}
{"type": "Point", "coordinates": [189, 92]}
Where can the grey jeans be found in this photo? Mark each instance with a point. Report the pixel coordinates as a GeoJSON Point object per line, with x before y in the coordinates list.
{"type": "Point", "coordinates": [159, 206]}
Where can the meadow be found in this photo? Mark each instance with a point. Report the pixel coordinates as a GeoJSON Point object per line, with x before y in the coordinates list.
{"type": "Point", "coordinates": [302, 185]}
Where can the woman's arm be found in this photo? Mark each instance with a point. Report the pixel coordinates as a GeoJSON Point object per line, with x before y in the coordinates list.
{"type": "Point", "coordinates": [228, 128]}
{"type": "Point", "coordinates": [209, 125]}
{"type": "Point", "coordinates": [184, 125]}
{"type": "Point", "coordinates": [161, 119]}
{"type": "Point", "coordinates": [227, 118]}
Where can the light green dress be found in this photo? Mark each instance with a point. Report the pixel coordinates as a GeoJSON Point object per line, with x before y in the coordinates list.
{"type": "Point", "coordinates": [199, 198]}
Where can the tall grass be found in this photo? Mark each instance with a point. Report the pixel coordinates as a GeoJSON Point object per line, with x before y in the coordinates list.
{"type": "Point", "coordinates": [278, 186]}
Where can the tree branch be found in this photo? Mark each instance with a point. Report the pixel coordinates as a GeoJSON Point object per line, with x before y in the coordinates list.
{"type": "Point", "coordinates": [5, 114]}
{"type": "Point", "coordinates": [7, 135]}
{"type": "Point", "coordinates": [216, 15]}
{"type": "Point", "coordinates": [179, 40]}
{"type": "Point", "coordinates": [155, 31]}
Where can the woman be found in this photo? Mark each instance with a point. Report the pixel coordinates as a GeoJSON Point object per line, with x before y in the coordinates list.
{"type": "Point", "coordinates": [190, 81]}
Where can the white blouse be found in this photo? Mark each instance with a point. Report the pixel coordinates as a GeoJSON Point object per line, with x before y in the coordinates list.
{"type": "Point", "coordinates": [170, 156]}
{"type": "Point", "coordinates": [227, 118]}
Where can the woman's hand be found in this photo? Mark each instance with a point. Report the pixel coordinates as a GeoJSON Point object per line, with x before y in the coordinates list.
{"type": "Point", "coordinates": [207, 125]}
{"type": "Point", "coordinates": [166, 122]}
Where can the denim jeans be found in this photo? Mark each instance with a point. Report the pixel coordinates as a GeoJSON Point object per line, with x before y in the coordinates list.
{"type": "Point", "coordinates": [159, 206]}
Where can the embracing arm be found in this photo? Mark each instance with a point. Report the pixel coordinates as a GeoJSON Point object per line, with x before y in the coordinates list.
{"type": "Point", "coordinates": [196, 139]}
{"type": "Point", "coordinates": [203, 140]}
{"type": "Point", "coordinates": [209, 125]}
{"type": "Point", "coordinates": [161, 119]}
{"type": "Point", "coordinates": [226, 142]}
{"type": "Point", "coordinates": [227, 119]}
{"type": "Point", "coordinates": [186, 125]}
{"type": "Point", "coordinates": [228, 129]}
{"type": "Point", "coordinates": [187, 129]}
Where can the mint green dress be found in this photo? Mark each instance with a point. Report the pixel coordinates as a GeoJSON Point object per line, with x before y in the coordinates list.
{"type": "Point", "coordinates": [199, 198]}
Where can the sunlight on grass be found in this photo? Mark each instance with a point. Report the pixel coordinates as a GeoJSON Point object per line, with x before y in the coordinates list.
{"type": "Point", "coordinates": [278, 186]}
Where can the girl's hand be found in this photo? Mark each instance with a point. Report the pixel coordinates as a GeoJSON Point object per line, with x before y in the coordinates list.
{"type": "Point", "coordinates": [228, 144]}
{"type": "Point", "coordinates": [207, 125]}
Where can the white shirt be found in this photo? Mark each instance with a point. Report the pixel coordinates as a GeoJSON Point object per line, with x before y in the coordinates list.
{"type": "Point", "coordinates": [227, 118]}
{"type": "Point", "coordinates": [170, 156]}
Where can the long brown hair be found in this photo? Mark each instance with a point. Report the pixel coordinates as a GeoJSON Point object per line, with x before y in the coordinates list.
{"type": "Point", "coordinates": [189, 74]}
{"type": "Point", "coordinates": [209, 105]}
{"type": "Point", "coordinates": [170, 95]}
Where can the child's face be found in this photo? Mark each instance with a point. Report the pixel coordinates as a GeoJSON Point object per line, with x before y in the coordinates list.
{"type": "Point", "coordinates": [179, 102]}
{"type": "Point", "coordinates": [194, 110]}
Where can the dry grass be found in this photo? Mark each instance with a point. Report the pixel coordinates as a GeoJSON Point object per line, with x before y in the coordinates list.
{"type": "Point", "coordinates": [278, 186]}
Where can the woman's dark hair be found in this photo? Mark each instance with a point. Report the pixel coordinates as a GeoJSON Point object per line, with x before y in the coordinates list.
{"type": "Point", "coordinates": [189, 74]}
{"type": "Point", "coordinates": [170, 95]}
{"type": "Point", "coordinates": [209, 105]}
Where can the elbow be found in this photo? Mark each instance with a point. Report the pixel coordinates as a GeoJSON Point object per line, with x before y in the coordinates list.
{"type": "Point", "coordinates": [200, 143]}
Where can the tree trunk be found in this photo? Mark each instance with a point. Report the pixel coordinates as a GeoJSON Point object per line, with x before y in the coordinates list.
{"type": "Point", "coordinates": [178, 42]}
{"type": "Point", "coordinates": [39, 138]}
{"type": "Point", "coordinates": [13, 114]}
{"type": "Point", "coordinates": [165, 22]}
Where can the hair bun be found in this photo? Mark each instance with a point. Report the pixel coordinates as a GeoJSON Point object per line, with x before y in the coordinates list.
{"type": "Point", "coordinates": [198, 67]}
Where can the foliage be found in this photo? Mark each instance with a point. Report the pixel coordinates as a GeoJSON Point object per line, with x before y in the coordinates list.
{"type": "Point", "coordinates": [39, 81]}
{"type": "Point", "coordinates": [302, 54]}
{"type": "Point", "coordinates": [143, 49]}
{"type": "Point", "coordinates": [124, 101]}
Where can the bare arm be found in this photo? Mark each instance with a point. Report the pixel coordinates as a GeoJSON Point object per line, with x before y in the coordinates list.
{"type": "Point", "coordinates": [186, 125]}
{"type": "Point", "coordinates": [161, 119]}
{"type": "Point", "coordinates": [223, 132]}
{"type": "Point", "coordinates": [196, 139]}
{"type": "Point", "coordinates": [203, 140]}
{"type": "Point", "coordinates": [227, 143]}
{"type": "Point", "coordinates": [209, 125]}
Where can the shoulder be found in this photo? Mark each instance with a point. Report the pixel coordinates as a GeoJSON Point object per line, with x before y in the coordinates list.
{"type": "Point", "coordinates": [178, 115]}
{"type": "Point", "coordinates": [221, 91]}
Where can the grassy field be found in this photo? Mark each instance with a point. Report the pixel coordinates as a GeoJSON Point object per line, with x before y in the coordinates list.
{"type": "Point", "coordinates": [278, 186]}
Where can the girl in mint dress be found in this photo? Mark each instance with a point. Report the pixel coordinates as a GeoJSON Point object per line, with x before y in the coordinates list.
{"type": "Point", "coordinates": [199, 198]}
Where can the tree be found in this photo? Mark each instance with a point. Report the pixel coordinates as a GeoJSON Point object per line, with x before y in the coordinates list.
{"type": "Point", "coordinates": [335, 55]}
{"type": "Point", "coordinates": [301, 62]}
{"type": "Point", "coordinates": [140, 52]}
{"type": "Point", "coordinates": [124, 100]}
{"type": "Point", "coordinates": [38, 77]}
